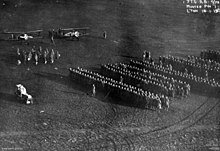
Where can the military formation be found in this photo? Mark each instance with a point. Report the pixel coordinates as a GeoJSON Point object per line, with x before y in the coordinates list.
{"type": "Point", "coordinates": [147, 80]}
{"type": "Point", "coordinates": [195, 82]}
{"type": "Point", "coordinates": [152, 84]}
{"type": "Point", "coordinates": [210, 55]}
{"type": "Point", "coordinates": [37, 55]}
{"type": "Point", "coordinates": [123, 91]}
{"type": "Point", "coordinates": [195, 65]}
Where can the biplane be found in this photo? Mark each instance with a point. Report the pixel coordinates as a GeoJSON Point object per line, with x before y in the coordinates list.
{"type": "Point", "coordinates": [23, 36]}
{"type": "Point", "coordinates": [68, 33]}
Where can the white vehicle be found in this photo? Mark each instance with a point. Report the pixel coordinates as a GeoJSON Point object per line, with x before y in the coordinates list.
{"type": "Point", "coordinates": [22, 94]}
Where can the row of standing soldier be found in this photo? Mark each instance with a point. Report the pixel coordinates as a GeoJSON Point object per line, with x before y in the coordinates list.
{"type": "Point", "coordinates": [121, 89]}
{"type": "Point", "coordinates": [37, 54]}
{"type": "Point", "coordinates": [197, 66]}
{"type": "Point", "coordinates": [192, 79]}
{"type": "Point", "coordinates": [210, 54]}
{"type": "Point", "coordinates": [147, 81]}
{"type": "Point", "coordinates": [212, 64]}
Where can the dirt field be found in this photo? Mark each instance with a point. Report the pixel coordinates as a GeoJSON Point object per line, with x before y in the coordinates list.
{"type": "Point", "coordinates": [65, 116]}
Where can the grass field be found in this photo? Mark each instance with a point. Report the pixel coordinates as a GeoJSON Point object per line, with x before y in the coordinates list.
{"type": "Point", "coordinates": [65, 116]}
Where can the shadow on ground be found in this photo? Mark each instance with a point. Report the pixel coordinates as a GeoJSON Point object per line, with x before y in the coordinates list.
{"type": "Point", "coordinates": [86, 89]}
{"type": "Point", "coordinates": [8, 59]}
{"type": "Point", "coordinates": [8, 97]}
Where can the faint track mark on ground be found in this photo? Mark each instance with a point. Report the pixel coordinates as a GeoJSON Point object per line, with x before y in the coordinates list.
{"type": "Point", "coordinates": [121, 140]}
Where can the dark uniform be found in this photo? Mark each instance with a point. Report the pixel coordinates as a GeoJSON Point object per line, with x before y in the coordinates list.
{"type": "Point", "coordinates": [57, 54]}
{"type": "Point", "coordinates": [104, 34]}
{"type": "Point", "coordinates": [24, 56]}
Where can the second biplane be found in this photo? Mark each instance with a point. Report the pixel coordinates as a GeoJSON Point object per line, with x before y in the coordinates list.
{"type": "Point", "coordinates": [68, 33]}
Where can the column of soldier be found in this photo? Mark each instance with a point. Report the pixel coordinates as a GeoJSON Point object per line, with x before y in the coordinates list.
{"type": "Point", "coordinates": [169, 86]}
{"type": "Point", "coordinates": [206, 63]}
{"type": "Point", "coordinates": [125, 91]}
{"type": "Point", "coordinates": [195, 65]}
{"type": "Point", "coordinates": [147, 80]}
{"type": "Point", "coordinates": [210, 54]}
{"type": "Point", "coordinates": [37, 55]}
{"type": "Point", "coordinates": [197, 83]}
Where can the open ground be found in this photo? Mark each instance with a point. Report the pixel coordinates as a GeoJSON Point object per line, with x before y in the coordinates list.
{"type": "Point", "coordinates": [66, 117]}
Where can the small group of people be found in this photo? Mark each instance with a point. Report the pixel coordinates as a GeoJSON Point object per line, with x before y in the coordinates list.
{"type": "Point", "coordinates": [124, 91]}
{"type": "Point", "coordinates": [37, 55]}
{"type": "Point", "coordinates": [146, 56]}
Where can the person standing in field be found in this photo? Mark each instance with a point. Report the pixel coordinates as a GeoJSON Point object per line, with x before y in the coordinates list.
{"type": "Point", "coordinates": [104, 34]}
{"type": "Point", "coordinates": [93, 90]}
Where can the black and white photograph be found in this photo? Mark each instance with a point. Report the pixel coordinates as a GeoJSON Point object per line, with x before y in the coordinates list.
{"type": "Point", "coordinates": [109, 75]}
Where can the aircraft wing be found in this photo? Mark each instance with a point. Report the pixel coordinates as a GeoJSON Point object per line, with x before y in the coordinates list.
{"type": "Point", "coordinates": [35, 31]}
{"type": "Point", "coordinates": [82, 28]}
{"type": "Point", "coordinates": [6, 32]}
{"type": "Point", "coordinates": [40, 37]}
{"type": "Point", "coordinates": [84, 34]}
